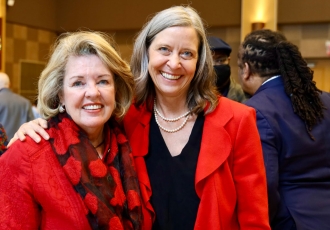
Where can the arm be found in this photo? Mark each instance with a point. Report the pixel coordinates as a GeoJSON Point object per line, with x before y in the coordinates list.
{"type": "Point", "coordinates": [278, 212]}
{"type": "Point", "coordinates": [18, 208]}
{"type": "Point", "coordinates": [33, 129]}
{"type": "Point", "coordinates": [249, 175]}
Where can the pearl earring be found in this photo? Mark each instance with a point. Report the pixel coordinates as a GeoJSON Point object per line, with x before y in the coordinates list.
{"type": "Point", "coordinates": [61, 108]}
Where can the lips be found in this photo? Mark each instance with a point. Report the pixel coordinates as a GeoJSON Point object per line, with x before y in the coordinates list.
{"type": "Point", "coordinates": [169, 76]}
{"type": "Point", "coordinates": [92, 107]}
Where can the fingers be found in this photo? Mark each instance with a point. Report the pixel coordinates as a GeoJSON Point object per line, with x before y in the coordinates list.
{"type": "Point", "coordinates": [34, 129]}
{"type": "Point", "coordinates": [12, 140]}
{"type": "Point", "coordinates": [41, 122]}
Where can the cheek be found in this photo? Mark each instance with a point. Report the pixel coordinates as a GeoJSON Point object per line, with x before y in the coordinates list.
{"type": "Point", "coordinates": [192, 68]}
{"type": "Point", "coordinates": [110, 97]}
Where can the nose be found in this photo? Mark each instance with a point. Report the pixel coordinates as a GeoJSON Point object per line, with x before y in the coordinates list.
{"type": "Point", "coordinates": [174, 61]}
{"type": "Point", "coordinates": [92, 90]}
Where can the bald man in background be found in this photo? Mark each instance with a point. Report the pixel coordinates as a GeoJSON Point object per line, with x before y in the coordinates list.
{"type": "Point", "coordinates": [14, 109]}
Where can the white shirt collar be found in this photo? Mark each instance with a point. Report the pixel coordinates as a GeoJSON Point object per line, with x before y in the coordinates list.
{"type": "Point", "coordinates": [269, 79]}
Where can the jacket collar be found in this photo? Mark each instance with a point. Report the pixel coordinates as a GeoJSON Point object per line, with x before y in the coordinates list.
{"type": "Point", "coordinates": [273, 83]}
{"type": "Point", "coordinates": [216, 143]}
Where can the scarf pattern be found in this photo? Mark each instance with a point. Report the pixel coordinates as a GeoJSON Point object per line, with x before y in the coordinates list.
{"type": "Point", "coordinates": [109, 189]}
{"type": "Point", "coordinates": [3, 140]}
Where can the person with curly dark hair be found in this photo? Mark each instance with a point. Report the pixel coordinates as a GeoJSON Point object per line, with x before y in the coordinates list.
{"type": "Point", "coordinates": [293, 118]}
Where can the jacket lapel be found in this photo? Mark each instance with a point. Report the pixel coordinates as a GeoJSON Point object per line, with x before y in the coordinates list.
{"type": "Point", "coordinates": [216, 142]}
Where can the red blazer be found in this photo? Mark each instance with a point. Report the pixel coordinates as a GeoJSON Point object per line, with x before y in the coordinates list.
{"type": "Point", "coordinates": [31, 176]}
{"type": "Point", "coordinates": [230, 176]}
{"type": "Point", "coordinates": [35, 192]}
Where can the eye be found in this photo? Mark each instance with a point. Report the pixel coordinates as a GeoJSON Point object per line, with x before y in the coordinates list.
{"type": "Point", "coordinates": [103, 82]}
{"type": "Point", "coordinates": [187, 55]}
{"type": "Point", "coordinates": [77, 83]}
{"type": "Point", "coordinates": [164, 50]}
{"type": "Point", "coordinates": [220, 61]}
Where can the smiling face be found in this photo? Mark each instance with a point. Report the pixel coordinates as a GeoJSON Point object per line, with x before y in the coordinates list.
{"type": "Point", "coordinates": [173, 56]}
{"type": "Point", "coordinates": [88, 92]}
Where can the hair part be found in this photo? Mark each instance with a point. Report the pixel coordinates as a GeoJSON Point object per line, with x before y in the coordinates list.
{"type": "Point", "coordinates": [83, 43]}
{"type": "Point", "coordinates": [268, 53]}
{"type": "Point", "coordinates": [202, 88]}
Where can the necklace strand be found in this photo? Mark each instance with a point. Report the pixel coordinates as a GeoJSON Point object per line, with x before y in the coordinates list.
{"type": "Point", "coordinates": [99, 144]}
{"type": "Point", "coordinates": [156, 112]}
{"type": "Point", "coordinates": [171, 130]}
{"type": "Point", "coordinates": [169, 119]}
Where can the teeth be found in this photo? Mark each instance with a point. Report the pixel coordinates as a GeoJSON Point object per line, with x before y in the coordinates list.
{"type": "Point", "coordinates": [169, 76]}
{"type": "Point", "coordinates": [91, 107]}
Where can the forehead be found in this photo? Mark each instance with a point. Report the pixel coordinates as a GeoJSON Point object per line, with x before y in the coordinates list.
{"type": "Point", "coordinates": [180, 35]}
{"type": "Point", "coordinates": [219, 53]}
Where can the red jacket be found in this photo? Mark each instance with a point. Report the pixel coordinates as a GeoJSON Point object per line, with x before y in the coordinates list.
{"type": "Point", "coordinates": [230, 176]}
{"type": "Point", "coordinates": [35, 192]}
{"type": "Point", "coordinates": [31, 176]}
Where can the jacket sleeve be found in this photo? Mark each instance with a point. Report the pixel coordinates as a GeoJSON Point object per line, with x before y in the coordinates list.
{"type": "Point", "coordinates": [249, 175]}
{"type": "Point", "coordinates": [270, 140]}
{"type": "Point", "coordinates": [18, 208]}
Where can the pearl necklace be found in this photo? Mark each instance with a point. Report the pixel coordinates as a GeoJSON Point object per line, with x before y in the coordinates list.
{"type": "Point", "coordinates": [170, 120]}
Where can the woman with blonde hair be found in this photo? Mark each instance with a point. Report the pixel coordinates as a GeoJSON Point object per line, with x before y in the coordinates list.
{"type": "Point", "coordinates": [83, 177]}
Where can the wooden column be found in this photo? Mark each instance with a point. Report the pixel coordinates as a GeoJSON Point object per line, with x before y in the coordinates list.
{"type": "Point", "coordinates": [258, 14]}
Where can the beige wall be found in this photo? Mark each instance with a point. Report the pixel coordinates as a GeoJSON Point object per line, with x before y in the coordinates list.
{"type": "Point", "coordinates": [68, 15]}
{"type": "Point", "coordinates": [310, 38]}
{"type": "Point", "coordinates": [25, 43]}
{"type": "Point", "coordinates": [64, 15]}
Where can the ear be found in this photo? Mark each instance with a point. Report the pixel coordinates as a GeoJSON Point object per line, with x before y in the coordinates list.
{"type": "Point", "coordinates": [246, 72]}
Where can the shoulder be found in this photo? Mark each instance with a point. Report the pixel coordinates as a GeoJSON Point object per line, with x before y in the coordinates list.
{"type": "Point", "coordinates": [233, 107]}
{"type": "Point", "coordinates": [229, 112]}
{"type": "Point", "coordinates": [325, 97]}
{"type": "Point", "coordinates": [26, 151]}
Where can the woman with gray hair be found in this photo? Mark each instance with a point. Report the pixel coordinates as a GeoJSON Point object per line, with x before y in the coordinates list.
{"type": "Point", "coordinates": [197, 154]}
{"type": "Point", "coordinates": [83, 177]}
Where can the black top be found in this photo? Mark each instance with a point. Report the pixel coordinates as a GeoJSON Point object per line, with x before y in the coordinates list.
{"type": "Point", "coordinates": [172, 179]}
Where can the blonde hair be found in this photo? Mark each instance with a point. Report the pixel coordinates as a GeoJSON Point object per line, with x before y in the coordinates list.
{"type": "Point", "coordinates": [202, 88]}
{"type": "Point", "coordinates": [80, 44]}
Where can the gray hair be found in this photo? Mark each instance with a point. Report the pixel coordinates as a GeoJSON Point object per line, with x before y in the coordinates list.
{"type": "Point", "coordinates": [202, 88]}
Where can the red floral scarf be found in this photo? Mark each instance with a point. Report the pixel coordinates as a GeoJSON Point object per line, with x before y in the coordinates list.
{"type": "Point", "coordinates": [109, 189]}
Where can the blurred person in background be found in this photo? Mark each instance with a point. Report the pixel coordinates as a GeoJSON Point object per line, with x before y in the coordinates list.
{"type": "Point", "coordinates": [226, 85]}
{"type": "Point", "coordinates": [14, 109]}
{"type": "Point", "coordinates": [35, 110]}
{"type": "Point", "coordinates": [293, 118]}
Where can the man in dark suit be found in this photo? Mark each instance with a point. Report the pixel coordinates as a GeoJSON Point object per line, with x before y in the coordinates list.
{"type": "Point", "coordinates": [293, 119]}
{"type": "Point", "coordinates": [14, 109]}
